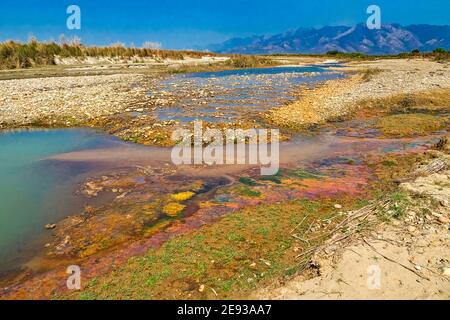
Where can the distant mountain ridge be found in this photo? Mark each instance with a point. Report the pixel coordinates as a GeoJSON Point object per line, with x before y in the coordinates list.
{"type": "Point", "coordinates": [390, 39]}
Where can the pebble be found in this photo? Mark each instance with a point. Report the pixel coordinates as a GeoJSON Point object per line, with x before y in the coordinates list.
{"type": "Point", "coordinates": [446, 272]}
{"type": "Point", "coordinates": [444, 220]}
{"type": "Point", "coordinates": [75, 98]}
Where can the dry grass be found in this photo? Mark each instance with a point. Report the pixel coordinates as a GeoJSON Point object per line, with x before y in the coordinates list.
{"type": "Point", "coordinates": [16, 55]}
{"type": "Point", "coordinates": [407, 125]}
{"type": "Point", "coordinates": [431, 100]}
{"type": "Point", "coordinates": [250, 62]}
{"type": "Point", "coordinates": [368, 74]}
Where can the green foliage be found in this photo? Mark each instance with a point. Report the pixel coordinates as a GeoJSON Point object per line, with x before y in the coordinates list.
{"type": "Point", "coordinates": [250, 62]}
{"type": "Point", "coordinates": [248, 181]}
{"type": "Point", "coordinates": [439, 50]}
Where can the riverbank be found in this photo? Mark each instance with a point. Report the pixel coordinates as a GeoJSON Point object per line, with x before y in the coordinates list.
{"type": "Point", "coordinates": [340, 99]}
{"type": "Point", "coordinates": [146, 107]}
{"type": "Point", "coordinates": [207, 233]}
{"type": "Point", "coordinates": [403, 255]}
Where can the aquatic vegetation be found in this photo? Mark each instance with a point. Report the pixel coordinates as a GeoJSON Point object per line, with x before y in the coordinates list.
{"type": "Point", "coordinates": [248, 181]}
{"type": "Point", "coordinates": [231, 256]}
{"type": "Point", "coordinates": [302, 174]}
{"type": "Point", "coordinates": [276, 178]}
{"type": "Point", "coordinates": [182, 196]}
{"type": "Point", "coordinates": [173, 209]}
{"type": "Point", "coordinates": [246, 191]}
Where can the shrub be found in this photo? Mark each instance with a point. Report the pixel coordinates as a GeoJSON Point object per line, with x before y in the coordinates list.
{"type": "Point", "coordinates": [16, 55]}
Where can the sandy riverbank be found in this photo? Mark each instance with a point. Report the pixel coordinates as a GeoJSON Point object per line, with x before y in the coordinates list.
{"type": "Point", "coordinates": [409, 256]}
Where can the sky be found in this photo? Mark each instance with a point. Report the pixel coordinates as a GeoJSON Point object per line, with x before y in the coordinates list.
{"type": "Point", "coordinates": [193, 24]}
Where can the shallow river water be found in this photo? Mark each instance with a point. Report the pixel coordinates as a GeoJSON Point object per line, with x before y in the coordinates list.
{"type": "Point", "coordinates": [35, 191]}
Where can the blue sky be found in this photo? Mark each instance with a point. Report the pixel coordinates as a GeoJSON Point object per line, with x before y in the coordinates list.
{"type": "Point", "coordinates": [187, 24]}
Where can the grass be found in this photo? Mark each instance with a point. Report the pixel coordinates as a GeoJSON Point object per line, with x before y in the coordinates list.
{"type": "Point", "coordinates": [431, 100]}
{"type": "Point", "coordinates": [230, 257]}
{"type": "Point", "coordinates": [368, 74]}
{"type": "Point", "coordinates": [17, 55]}
{"type": "Point", "coordinates": [407, 115]}
{"type": "Point", "coordinates": [250, 62]}
{"type": "Point", "coordinates": [407, 125]}
{"type": "Point", "coordinates": [252, 247]}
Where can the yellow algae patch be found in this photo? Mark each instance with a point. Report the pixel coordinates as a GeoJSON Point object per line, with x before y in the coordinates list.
{"type": "Point", "coordinates": [156, 228]}
{"type": "Point", "coordinates": [182, 196]}
{"type": "Point", "coordinates": [207, 204]}
{"type": "Point", "coordinates": [173, 209]}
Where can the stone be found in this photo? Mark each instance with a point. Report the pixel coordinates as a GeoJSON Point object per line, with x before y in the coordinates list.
{"type": "Point", "coordinates": [446, 272]}
{"type": "Point", "coordinates": [201, 288]}
{"type": "Point", "coordinates": [444, 220]}
{"type": "Point", "coordinates": [50, 226]}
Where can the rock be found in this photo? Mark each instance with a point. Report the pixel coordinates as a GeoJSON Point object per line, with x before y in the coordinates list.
{"type": "Point", "coordinates": [50, 226]}
{"type": "Point", "coordinates": [201, 288]}
{"type": "Point", "coordinates": [444, 220]}
{"type": "Point", "coordinates": [446, 272]}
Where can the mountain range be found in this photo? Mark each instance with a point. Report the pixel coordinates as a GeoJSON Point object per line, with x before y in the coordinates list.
{"type": "Point", "coordinates": [390, 39]}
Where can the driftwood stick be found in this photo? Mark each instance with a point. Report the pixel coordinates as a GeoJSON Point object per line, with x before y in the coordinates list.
{"type": "Point", "coordinates": [394, 261]}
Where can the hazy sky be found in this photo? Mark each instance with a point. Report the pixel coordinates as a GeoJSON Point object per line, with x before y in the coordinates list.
{"type": "Point", "coordinates": [186, 24]}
